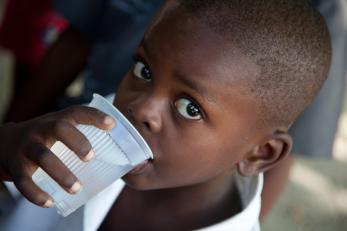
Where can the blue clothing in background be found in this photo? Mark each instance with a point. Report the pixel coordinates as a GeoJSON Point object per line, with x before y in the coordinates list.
{"type": "Point", "coordinates": [115, 28]}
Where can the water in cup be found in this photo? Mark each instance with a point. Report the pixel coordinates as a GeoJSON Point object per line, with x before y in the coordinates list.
{"type": "Point", "coordinates": [116, 153]}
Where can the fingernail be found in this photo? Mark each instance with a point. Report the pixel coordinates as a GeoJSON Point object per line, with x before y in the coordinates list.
{"type": "Point", "coordinates": [48, 204]}
{"type": "Point", "coordinates": [76, 187]}
{"type": "Point", "coordinates": [109, 120]}
{"type": "Point", "coordinates": [90, 156]}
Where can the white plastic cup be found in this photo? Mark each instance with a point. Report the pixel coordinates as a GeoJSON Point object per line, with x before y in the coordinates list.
{"type": "Point", "coordinates": [116, 153]}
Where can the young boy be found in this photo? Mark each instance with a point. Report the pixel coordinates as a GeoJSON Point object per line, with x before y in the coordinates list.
{"type": "Point", "coordinates": [214, 88]}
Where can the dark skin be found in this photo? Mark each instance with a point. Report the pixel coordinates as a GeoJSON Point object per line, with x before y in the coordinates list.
{"type": "Point", "coordinates": [200, 133]}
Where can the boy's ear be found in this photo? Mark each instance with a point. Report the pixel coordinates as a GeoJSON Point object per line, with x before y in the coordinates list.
{"type": "Point", "coordinates": [265, 156]}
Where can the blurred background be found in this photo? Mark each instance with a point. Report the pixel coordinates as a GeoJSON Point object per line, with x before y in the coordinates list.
{"type": "Point", "coordinates": [314, 199]}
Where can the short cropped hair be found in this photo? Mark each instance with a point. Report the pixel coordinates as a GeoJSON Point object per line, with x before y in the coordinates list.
{"type": "Point", "coordinates": [287, 39]}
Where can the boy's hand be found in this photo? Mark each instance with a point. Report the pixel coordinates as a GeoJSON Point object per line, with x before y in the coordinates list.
{"type": "Point", "coordinates": [26, 146]}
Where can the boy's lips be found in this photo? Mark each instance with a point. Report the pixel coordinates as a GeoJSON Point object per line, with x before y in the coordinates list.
{"type": "Point", "coordinates": [140, 168]}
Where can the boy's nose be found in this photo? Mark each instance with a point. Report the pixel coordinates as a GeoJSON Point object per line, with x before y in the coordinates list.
{"type": "Point", "coordinates": [146, 113]}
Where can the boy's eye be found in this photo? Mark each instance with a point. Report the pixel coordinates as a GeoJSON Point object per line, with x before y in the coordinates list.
{"type": "Point", "coordinates": [188, 109]}
{"type": "Point", "coordinates": [142, 71]}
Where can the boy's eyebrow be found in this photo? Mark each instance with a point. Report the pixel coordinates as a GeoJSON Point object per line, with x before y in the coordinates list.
{"type": "Point", "coordinates": [201, 90]}
{"type": "Point", "coordinates": [145, 47]}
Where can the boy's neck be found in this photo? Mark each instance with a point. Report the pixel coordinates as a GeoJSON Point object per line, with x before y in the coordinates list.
{"type": "Point", "coordinates": [197, 205]}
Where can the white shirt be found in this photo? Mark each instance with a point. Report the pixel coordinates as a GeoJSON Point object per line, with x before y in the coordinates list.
{"type": "Point", "coordinates": [29, 217]}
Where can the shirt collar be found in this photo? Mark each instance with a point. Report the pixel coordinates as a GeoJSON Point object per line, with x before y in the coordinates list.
{"type": "Point", "coordinates": [250, 189]}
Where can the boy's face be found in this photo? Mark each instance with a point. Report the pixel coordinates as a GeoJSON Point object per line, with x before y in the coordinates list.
{"type": "Point", "coordinates": [187, 95]}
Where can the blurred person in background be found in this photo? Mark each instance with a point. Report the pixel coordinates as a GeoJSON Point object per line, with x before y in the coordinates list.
{"type": "Point", "coordinates": [27, 29]}
{"type": "Point", "coordinates": [100, 39]}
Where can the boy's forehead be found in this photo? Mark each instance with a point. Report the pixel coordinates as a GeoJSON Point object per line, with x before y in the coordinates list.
{"type": "Point", "coordinates": [194, 49]}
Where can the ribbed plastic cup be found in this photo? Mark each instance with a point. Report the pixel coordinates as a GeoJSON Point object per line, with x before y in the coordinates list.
{"type": "Point", "coordinates": [116, 153]}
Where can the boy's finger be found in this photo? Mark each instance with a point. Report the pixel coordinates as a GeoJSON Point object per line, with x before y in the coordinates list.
{"type": "Point", "coordinates": [90, 116]}
{"type": "Point", "coordinates": [32, 192]}
{"type": "Point", "coordinates": [53, 166]}
{"type": "Point", "coordinates": [73, 139]}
